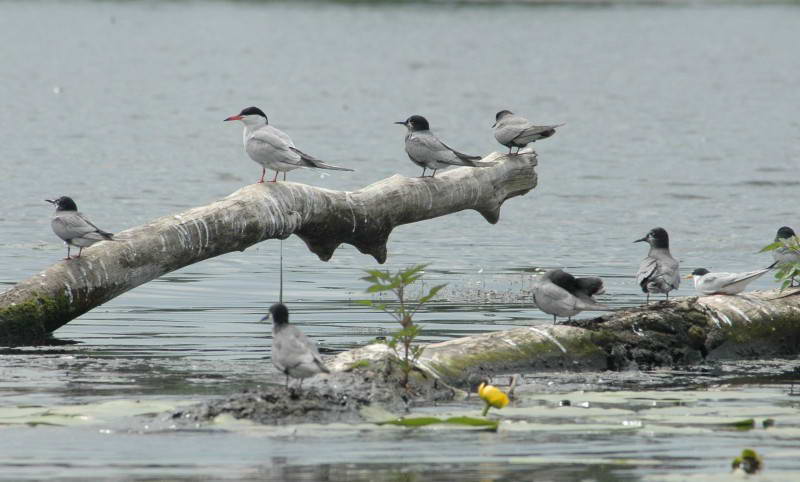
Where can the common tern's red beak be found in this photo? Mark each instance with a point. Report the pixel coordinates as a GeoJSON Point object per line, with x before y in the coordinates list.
{"type": "Point", "coordinates": [233, 117]}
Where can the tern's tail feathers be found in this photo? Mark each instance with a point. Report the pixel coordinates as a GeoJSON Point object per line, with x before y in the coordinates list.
{"type": "Point", "coordinates": [99, 235]}
{"type": "Point", "coordinates": [588, 304]}
{"type": "Point", "coordinates": [311, 161]}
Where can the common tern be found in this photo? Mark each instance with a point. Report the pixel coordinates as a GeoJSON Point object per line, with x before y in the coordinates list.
{"type": "Point", "coordinates": [558, 293]}
{"type": "Point", "coordinates": [272, 148]}
{"type": "Point", "coordinates": [708, 283]}
{"type": "Point", "coordinates": [512, 130]}
{"type": "Point", "coordinates": [73, 227]}
{"type": "Point", "coordinates": [658, 272]}
{"type": "Point", "coordinates": [293, 353]}
{"type": "Point", "coordinates": [428, 151]}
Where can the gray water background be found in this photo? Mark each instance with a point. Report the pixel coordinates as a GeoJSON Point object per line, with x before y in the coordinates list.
{"type": "Point", "coordinates": [682, 116]}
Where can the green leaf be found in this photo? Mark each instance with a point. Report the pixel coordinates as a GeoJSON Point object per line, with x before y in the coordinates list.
{"type": "Point", "coordinates": [365, 302]}
{"type": "Point", "coordinates": [771, 247]}
{"type": "Point", "coordinates": [745, 424]}
{"type": "Point", "coordinates": [423, 421]}
{"type": "Point", "coordinates": [433, 291]}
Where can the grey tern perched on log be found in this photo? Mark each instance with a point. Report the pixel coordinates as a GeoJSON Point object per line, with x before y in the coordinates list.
{"type": "Point", "coordinates": [272, 148]}
{"type": "Point", "coordinates": [73, 227]}
{"type": "Point", "coordinates": [293, 353]}
{"type": "Point", "coordinates": [512, 130]}
{"type": "Point", "coordinates": [658, 272]}
{"type": "Point", "coordinates": [428, 152]}
{"type": "Point", "coordinates": [558, 293]}
{"type": "Point", "coordinates": [784, 255]}
{"type": "Point", "coordinates": [708, 283]}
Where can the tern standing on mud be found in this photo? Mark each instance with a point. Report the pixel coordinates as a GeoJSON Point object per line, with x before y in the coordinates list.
{"type": "Point", "coordinates": [293, 353]}
{"type": "Point", "coordinates": [428, 152]}
{"type": "Point", "coordinates": [658, 272]}
{"type": "Point", "coordinates": [512, 130]}
{"type": "Point", "coordinates": [73, 227]}
{"type": "Point", "coordinates": [272, 148]}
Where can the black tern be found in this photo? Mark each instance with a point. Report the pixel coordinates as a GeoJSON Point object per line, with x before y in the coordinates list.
{"type": "Point", "coordinates": [512, 130]}
{"type": "Point", "coordinates": [658, 272]}
{"type": "Point", "coordinates": [708, 283]}
{"type": "Point", "coordinates": [558, 293]}
{"type": "Point", "coordinates": [272, 148]}
{"type": "Point", "coordinates": [293, 353]}
{"type": "Point", "coordinates": [428, 152]}
{"type": "Point", "coordinates": [784, 255]}
{"type": "Point", "coordinates": [73, 227]}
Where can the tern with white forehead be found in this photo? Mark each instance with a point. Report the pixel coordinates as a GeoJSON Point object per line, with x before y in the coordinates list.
{"type": "Point", "coordinates": [73, 227]}
{"type": "Point", "coordinates": [658, 272]}
{"type": "Point", "coordinates": [512, 130]}
{"type": "Point", "coordinates": [272, 148]}
{"type": "Point", "coordinates": [708, 283]}
{"type": "Point", "coordinates": [429, 152]}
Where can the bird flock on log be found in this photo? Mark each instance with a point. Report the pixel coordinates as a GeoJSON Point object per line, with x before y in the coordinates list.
{"type": "Point", "coordinates": [555, 292]}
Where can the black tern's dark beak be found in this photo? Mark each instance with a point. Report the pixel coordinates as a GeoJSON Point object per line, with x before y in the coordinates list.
{"type": "Point", "coordinates": [265, 317]}
{"type": "Point", "coordinates": [402, 123]}
{"type": "Point", "coordinates": [51, 201]}
{"type": "Point", "coordinates": [640, 240]}
{"type": "Point", "coordinates": [494, 125]}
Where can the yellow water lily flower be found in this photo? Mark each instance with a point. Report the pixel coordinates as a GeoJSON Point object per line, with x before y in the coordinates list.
{"type": "Point", "coordinates": [493, 396]}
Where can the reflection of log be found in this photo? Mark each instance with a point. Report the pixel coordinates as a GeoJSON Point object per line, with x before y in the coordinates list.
{"type": "Point", "coordinates": [683, 331]}
{"type": "Point", "coordinates": [322, 218]}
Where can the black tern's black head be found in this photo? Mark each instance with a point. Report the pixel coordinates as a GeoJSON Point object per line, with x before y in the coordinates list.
{"type": "Point", "coordinates": [563, 279]}
{"type": "Point", "coordinates": [784, 232]}
{"type": "Point", "coordinates": [500, 115]}
{"type": "Point", "coordinates": [700, 272]}
{"type": "Point", "coordinates": [252, 114]}
{"type": "Point", "coordinates": [657, 238]}
{"type": "Point", "coordinates": [64, 203]}
{"type": "Point", "coordinates": [415, 123]}
{"type": "Point", "coordinates": [279, 314]}
{"type": "Point", "coordinates": [590, 286]}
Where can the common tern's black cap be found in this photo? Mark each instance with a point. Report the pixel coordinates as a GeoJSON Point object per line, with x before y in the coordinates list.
{"type": "Point", "coordinates": [784, 232]}
{"type": "Point", "coordinates": [700, 272]}
{"type": "Point", "coordinates": [248, 111]}
{"type": "Point", "coordinates": [415, 123]}
{"type": "Point", "coordinates": [657, 238]}
{"type": "Point", "coordinates": [63, 203]}
{"type": "Point", "coordinates": [279, 314]}
{"type": "Point", "coordinates": [501, 114]}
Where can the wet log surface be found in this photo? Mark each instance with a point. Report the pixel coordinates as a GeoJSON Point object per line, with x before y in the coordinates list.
{"type": "Point", "coordinates": [31, 310]}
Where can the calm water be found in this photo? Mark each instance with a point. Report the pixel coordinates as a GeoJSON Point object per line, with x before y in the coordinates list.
{"type": "Point", "coordinates": [684, 117]}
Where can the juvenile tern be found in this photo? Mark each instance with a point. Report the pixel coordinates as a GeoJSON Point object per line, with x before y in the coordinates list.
{"type": "Point", "coordinates": [428, 151]}
{"type": "Point", "coordinates": [73, 227]}
{"type": "Point", "coordinates": [558, 293]}
{"type": "Point", "coordinates": [293, 353]}
{"type": "Point", "coordinates": [512, 130]}
{"type": "Point", "coordinates": [708, 283]}
{"type": "Point", "coordinates": [658, 272]}
{"type": "Point", "coordinates": [272, 148]}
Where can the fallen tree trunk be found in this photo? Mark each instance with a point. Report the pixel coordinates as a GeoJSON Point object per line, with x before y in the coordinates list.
{"type": "Point", "coordinates": [683, 331]}
{"type": "Point", "coordinates": [324, 219]}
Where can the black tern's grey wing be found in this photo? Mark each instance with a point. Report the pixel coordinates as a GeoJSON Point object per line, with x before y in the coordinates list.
{"type": "Point", "coordinates": [103, 234]}
{"type": "Point", "coordinates": [647, 269]}
{"type": "Point", "coordinates": [291, 347]}
{"type": "Point", "coordinates": [311, 161]}
{"type": "Point", "coordinates": [533, 132]}
{"type": "Point", "coordinates": [73, 225]}
{"type": "Point", "coordinates": [427, 149]}
{"type": "Point", "coordinates": [464, 157]}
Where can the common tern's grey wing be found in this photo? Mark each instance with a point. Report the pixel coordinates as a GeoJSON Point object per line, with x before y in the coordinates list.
{"type": "Point", "coordinates": [268, 144]}
{"type": "Point", "coordinates": [312, 161]}
{"type": "Point", "coordinates": [730, 283]}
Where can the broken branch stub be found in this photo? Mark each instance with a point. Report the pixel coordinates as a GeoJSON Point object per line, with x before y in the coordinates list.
{"type": "Point", "coordinates": [322, 218]}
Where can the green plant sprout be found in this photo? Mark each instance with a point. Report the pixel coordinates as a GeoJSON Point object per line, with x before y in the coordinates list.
{"type": "Point", "coordinates": [403, 311]}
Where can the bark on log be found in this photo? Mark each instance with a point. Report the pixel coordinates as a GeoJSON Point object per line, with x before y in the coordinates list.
{"type": "Point", "coordinates": [31, 310]}
{"type": "Point", "coordinates": [683, 331]}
